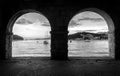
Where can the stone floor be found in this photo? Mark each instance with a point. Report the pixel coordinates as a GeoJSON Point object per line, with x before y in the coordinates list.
{"type": "Point", "coordinates": [71, 67]}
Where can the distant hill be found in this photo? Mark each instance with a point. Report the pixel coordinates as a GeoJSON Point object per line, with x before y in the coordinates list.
{"type": "Point", "coordinates": [17, 37]}
{"type": "Point", "coordinates": [88, 35]}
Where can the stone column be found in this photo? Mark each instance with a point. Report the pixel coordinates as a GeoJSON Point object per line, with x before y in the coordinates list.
{"type": "Point", "coordinates": [59, 45]}
{"type": "Point", "coordinates": [59, 38]}
{"type": "Point", "coordinates": [9, 45]}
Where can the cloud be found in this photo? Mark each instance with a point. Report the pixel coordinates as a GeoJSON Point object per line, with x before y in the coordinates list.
{"type": "Point", "coordinates": [73, 23]}
{"type": "Point", "coordinates": [31, 31]}
{"type": "Point", "coordinates": [23, 21]}
{"type": "Point", "coordinates": [95, 31]}
{"type": "Point", "coordinates": [45, 24]}
{"type": "Point", "coordinates": [91, 19]}
{"type": "Point", "coordinates": [90, 30]}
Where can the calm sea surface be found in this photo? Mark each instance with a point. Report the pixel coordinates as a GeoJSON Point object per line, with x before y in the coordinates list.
{"type": "Point", "coordinates": [76, 48]}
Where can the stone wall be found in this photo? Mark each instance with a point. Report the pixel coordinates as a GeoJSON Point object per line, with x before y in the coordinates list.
{"type": "Point", "coordinates": [59, 13]}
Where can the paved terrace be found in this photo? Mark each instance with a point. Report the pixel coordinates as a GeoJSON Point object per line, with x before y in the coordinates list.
{"type": "Point", "coordinates": [71, 67]}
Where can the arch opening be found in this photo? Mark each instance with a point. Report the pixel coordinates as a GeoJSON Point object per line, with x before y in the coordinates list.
{"type": "Point", "coordinates": [30, 35]}
{"type": "Point", "coordinates": [91, 34]}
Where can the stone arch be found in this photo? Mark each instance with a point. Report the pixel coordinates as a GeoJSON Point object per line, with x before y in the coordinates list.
{"type": "Point", "coordinates": [111, 28]}
{"type": "Point", "coordinates": [10, 27]}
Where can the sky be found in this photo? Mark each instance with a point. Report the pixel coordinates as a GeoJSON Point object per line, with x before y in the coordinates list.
{"type": "Point", "coordinates": [35, 25]}
{"type": "Point", "coordinates": [32, 25]}
{"type": "Point", "coordinates": [33, 17]}
{"type": "Point", "coordinates": [87, 21]}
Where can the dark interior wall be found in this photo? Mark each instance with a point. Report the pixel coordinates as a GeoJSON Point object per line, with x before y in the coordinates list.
{"type": "Point", "coordinates": [59, 12]}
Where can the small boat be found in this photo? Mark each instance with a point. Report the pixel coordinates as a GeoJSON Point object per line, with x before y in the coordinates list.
{"type": "Point", "coordinates": [37, 41]}
{"type": "Point", "coordinates": [45, 42]}
{"type": "Point", "coordinates": [87, 40]}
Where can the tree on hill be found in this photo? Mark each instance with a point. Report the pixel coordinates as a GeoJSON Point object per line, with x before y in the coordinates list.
{"type": "Point", "coordinates": [84, 35]}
